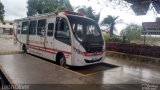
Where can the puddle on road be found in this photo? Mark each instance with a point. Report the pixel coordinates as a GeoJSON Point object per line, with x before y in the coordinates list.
{"type": "Point", "coordinates": [85, 70]}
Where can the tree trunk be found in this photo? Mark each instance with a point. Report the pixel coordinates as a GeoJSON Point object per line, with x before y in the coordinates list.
{"type": "Point", "coordinates": [111, 30]}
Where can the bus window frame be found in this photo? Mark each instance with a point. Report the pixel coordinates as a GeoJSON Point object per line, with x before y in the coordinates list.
{"type": "Point", "coordinates": [35, 33]}
{"type": "Point", "coordinates": [53, 29]}
{"type": "Point", "coordinates": [63, 40]}
{"type": "Point", "coordinates": [41, 27]}
{"type": "Point", "coordinates": [27, 28]}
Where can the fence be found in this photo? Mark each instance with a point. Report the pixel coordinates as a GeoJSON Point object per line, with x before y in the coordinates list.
{"type": "Point", "coordinates": [135, 49]}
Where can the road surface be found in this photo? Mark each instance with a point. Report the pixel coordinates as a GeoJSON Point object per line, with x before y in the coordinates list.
{"type": "Point", "coordinates": [27, 69]}
{"type": "Point", "coordinates": [7, 46]}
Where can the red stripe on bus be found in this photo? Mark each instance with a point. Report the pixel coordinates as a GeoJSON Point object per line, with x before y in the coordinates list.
{"type": "Point", "coordinates": [65, 52]}
{"type": "Point", "coordinates": [50, 49]}
{"type": "Point", "coordinates": [92, 54]}
{"type": "Point", "coordinates": [35, 46]}
{"type": "Point", "coordinates": [50, 52]}
{"type": "Point", "coordinates": [42, 50]}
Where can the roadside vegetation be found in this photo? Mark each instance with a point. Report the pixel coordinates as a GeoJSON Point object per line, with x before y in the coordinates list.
{"type": "Point", "coordinates": [132, 32]}
{"type": "Point", "coordinates": [111, 21]}
{"type": "Point", "coordinates": [89, 12]}
{"type": "Point", "coordinates": [45, 6]}
{"type": "Point", "coordinates": [2, 12]}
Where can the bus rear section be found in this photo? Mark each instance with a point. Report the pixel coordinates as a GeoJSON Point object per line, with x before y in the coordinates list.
{"type": "Point", "coordinates": [39, 35]}
{"type": "Point", "coordinates": [21, 32]}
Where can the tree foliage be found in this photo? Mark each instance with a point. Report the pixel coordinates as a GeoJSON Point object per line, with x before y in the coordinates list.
{"type": "Point", "coordinates": [111, 21]}
{"type": "Point", "coordinates": [46, 6]}
{"type": "Point", "coordinates": [132, 32]}
{"type": "Point", "coordinates": [1, 11]}
{"type": "Point", "coordinates": [89, 12]}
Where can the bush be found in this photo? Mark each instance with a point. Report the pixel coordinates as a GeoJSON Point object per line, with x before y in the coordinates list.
{"type": "Point", "coordinates": [112, 39]}
{"type": "Point", "coordinates": [106, 36]}
{"type": "Point", "coordinates": [116, 39]}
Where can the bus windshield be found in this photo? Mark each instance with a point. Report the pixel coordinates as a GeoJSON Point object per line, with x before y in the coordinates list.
{"type": "Point", "coordinates": [85, 30]}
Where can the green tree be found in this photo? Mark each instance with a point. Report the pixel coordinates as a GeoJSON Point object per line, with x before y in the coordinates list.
{"type": "Point", "coordinates": [132, 32]}
{"type": "Point", "coordinates": [46, 6]}
{"type": "Point", "coordinates": [111, 21]}
{"type": "Point", "coordinates": [89, 12]}
{"type": "Point", "coordinates": [1, 11]}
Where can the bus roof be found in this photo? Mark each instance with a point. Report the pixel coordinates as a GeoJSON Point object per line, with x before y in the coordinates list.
{"type": "Point", "coordinates": [36, 16]}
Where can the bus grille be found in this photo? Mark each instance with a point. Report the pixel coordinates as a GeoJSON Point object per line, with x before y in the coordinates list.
{"type": "Point", "coordinates": [92, 61]}
{"type": "Point", "coordinates": [93, 49]}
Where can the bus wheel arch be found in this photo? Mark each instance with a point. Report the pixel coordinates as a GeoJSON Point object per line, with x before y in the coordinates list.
{"type": "Point", "coordinates": [60, 59]}
{"type": "Point", "coordinates": [24, 48]}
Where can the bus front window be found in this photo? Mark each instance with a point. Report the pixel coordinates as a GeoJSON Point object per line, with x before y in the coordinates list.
{"type": "Point", "coordinates": [78, 29]}
{"type": "Point", "coordinates": [86, 31]}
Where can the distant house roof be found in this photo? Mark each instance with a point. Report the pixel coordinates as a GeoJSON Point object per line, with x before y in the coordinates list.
{"type": "Point", "coordinates": [6, 24]}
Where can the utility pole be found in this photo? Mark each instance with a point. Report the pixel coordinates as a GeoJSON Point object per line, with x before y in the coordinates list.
{"type": "Point", "coordinates": [144, 36]}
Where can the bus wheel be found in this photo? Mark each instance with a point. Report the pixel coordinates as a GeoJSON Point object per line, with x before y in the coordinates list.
{"type": "Point", "coordinates": [24, 49]}
{"type": "Point", "coordinates": [61, 60]}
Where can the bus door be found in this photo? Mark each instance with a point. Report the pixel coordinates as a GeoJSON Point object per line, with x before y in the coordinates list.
{"type": "Point", "coordinates": [62, 41]}
{"type": "Point", "coordinates": [50, 52]}
{"type": "Point", "coordinates": [24, 32]}
{"type": "Point", "coordinates": [18, 30]}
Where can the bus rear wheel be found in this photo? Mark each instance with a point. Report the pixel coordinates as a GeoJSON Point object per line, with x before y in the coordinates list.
{"type": "Point", "coordinates": [24, 49]}
{"type": "Point", "coordinates": [61, 60]}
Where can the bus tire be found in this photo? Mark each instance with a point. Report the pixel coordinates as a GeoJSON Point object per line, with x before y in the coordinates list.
{"type": "Point", "coordinates": [24, 49]}
{"type": "Point", "coordinates": [61, 60]}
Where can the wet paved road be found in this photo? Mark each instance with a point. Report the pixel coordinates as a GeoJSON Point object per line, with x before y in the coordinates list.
{"type": "Point", "coordinates": [27, 69]}
{"type": "Point", "coordinates": [7, 46]}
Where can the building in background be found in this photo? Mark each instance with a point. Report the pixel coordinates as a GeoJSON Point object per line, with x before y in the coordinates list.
{"type": "Point", "coordinates": [6, 27]}
{"type": "Point", "coordinates": [151, 32]}
{"type": "Point", "coordinates": [151, 28]}
{"type": "Point", "coordinates": [158, 19]}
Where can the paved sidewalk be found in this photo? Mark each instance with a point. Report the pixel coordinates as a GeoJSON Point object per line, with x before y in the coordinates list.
{"type": "Point", "coordinates": [7, 46]}
{"type": "Point", "coordinates": [139, 72]}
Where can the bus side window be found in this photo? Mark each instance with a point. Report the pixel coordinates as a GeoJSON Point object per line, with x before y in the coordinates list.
{"type": "Point", "coordinates": [62, 31]}
{"type": "Point", "coordinates": [32, 27]}
{"type": "Point", "coordinates": [50, 29]}
{"type": "Point", "coordinates": [41, 27]}
{"type": "Point", "coordinates": [19, 29]}
{"type": "Point", "coordinates": [25, 27]}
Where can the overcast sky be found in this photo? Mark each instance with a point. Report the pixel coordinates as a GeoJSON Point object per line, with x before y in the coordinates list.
{"type": "Point", "coordinates": [15, 9]}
